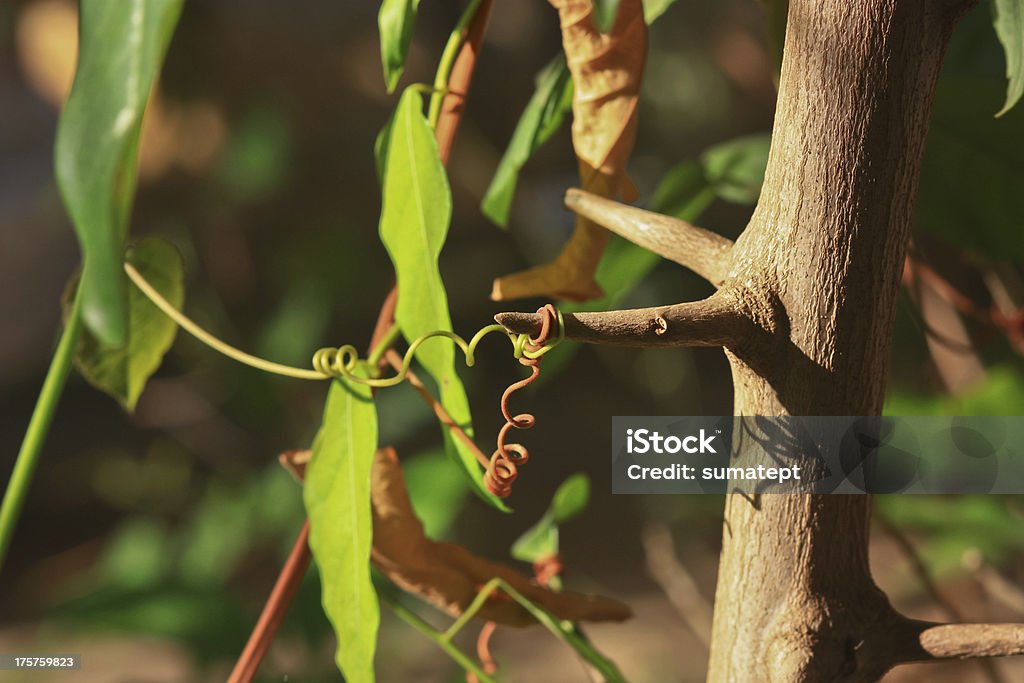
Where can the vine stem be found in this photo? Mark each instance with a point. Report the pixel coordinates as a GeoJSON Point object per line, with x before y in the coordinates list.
{"type": "Point", "coordinates": [442, 641]}
{"type": "Point", "coordinates": [39, 425]}
{"type": "Point", "coordinates": [459, 73]}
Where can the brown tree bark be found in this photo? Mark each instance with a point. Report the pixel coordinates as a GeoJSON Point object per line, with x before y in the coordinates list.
{"type": "Point", "coordinates": [805, 306]}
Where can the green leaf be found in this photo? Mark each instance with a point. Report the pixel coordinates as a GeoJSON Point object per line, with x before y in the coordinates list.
{"type": "Point", "coordinates": [1008, 19]}
{"type": "Point", "coordinates": [395, 21]}
{"type": "Point", "coordinates": [413, 226]}
{"type": "Point", "coordinates": [735, 169]}
{"type": "Point", "coordinates": [337, 498]}
{"type": "Point", "coordinates": [972, 172]}
{"type": "Point", "coordinates": [436, 490]}
{"type": "Point", "coordinates": [541, 119]}
{"type": "Point", "coordinates": [655, 8]}
{"type": "Point", "coordinates": [605, 12]}
{"type": "Point", "coordinates": [121, 47]}
{"type": "Point", "coordinates": [123, 372]}
{"type": "Point", "coordinates": [541, 540]}
{"type": "Point", "coordinates": [571, 498]}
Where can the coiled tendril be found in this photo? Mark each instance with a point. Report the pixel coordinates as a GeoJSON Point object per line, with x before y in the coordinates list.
{"type": "Point", "coordinates": [503, 468]}
{"type": "Point", "coordinates": [343, 362]}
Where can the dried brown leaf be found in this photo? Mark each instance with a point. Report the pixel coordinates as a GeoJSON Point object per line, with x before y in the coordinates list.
{"type": "Point", "coordinates": [607, 69]}
{"type": "Point", "coordinates": [445, 574]}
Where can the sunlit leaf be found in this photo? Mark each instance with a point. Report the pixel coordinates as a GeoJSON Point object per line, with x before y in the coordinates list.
{"type": "Point", "coordinates": [607, 70]}
{"type": "Point", "coordinates": [541, 119]}
{"type": "Point", "coordinates": [337, 498]}
{"type": "Point", "coordinates": [1008, 19]}
{"type": "Point", "coordinates": [121, 47]}
{"type": "Point", "coordinates": [122, 372]}
{"type": "Point", "coordinates": [416, 212]}
{"type": "Point", "coordinates": [395, 20]}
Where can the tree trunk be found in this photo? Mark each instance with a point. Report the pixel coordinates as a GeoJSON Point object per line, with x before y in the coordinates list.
{"type": "Point", "coordinates": [818, 269]}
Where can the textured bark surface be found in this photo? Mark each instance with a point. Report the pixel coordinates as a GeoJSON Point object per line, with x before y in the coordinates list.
{"type": "Point", "coordinates": [818, 271]}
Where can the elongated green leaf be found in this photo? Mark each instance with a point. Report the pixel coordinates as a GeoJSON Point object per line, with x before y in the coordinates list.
{"type": "Point", "coordinates": [395, 21]}
{"type": "Point", "coordinates": [122, 372]}
{"type": "Point", "coordinates": [121, 47]}
{"type": "Point", "coordinates": [541, 119]}
{"type": "Point", "coordinates": [1008, 18]}
{"type": "Point", "coordinates": [413, 226]}
{"type": "Point", "coordinates": [337, 498]}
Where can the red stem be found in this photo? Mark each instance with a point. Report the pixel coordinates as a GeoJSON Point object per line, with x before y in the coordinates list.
{"type": "Point", "coordinates": [273, 612]}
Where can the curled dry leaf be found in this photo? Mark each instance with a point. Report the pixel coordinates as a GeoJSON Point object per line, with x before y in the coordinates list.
{"type": "Point", "coordinates": [607, 69]}
{"type": "Point", "coordinates": [445, 574]}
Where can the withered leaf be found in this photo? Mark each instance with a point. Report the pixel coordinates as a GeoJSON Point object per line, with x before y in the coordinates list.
{"type": "Point", "coordinates": [445, 574]}
{"type": "Point", "coordinates": [607, 69]}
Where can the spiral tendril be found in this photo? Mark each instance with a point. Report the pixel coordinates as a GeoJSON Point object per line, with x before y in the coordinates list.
{"type": "Point", "coordinates": [343, 362]}
{"type": "Point", "coordinates": [503, 468]}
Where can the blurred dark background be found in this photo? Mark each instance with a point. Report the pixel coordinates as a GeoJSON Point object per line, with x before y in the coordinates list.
{"type": "Point", "coordinates": [149, 541]}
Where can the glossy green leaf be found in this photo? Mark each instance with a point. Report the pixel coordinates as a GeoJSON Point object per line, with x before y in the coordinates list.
{"type": "Point", "coordinates": [121, 48]}
{"type": "Point", "coordinates": [414, 220]}
{"type": "Point", "coordinates": [395, 20]}
{"type": "Point", "coordinates": [122, 372]}
{"type": "Point", "coordinates": [605, 12]}
{"type": "Point", "coordinates": [541, 119]}
{"type": "Point", "coordinates": [337, 498]}
{"type": "Point", "coordinates": [1008, 19]}
{"type": "Point", "coordinates": [972, 172]}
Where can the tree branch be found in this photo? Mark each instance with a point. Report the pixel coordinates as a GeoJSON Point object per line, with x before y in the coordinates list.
{"type": "Point", "coordinates": [715, 321]}
{"type": "Point", "coordinates": [967, 641]}
{"type": "Point", "coordinates": [700, 250]}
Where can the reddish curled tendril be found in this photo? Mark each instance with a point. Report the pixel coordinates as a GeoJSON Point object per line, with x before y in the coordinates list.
{"type": "Point", "coordinates": [503, 468]}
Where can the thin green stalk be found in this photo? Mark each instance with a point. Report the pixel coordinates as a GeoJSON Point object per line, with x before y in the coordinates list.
{"type": "Point", "coordinates": [38, 426]}
{"type": "Point", "coordinates": [426, 629]}
{"type": "Point", "coordinates": [444, 67]}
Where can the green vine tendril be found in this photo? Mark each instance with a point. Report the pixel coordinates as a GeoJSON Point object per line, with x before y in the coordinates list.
{"type": "Point", "coordinates": [340, 362]}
